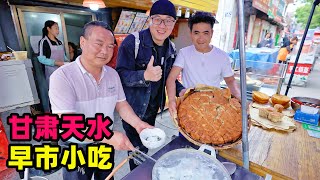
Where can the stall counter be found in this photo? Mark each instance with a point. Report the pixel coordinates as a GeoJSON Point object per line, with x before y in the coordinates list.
{"type": "Point", "coordinates": [283, 155]}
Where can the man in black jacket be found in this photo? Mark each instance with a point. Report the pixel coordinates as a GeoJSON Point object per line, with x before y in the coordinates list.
{"type": "Point", "coordinates": [144, 76]}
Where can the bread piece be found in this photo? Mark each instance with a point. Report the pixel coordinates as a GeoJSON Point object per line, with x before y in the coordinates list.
{"type": "Point", "coordinates": [285, 106]}
{"type": "Point", "coordinates": [280, 99]}
{"type": "Point", "coordinates": [278, 107]}
{"type": "Point", "coordinates": [260, 97]}
{"type": "Point", "coordinates": [271, 109]}
{"type": "Point", "coordinates": [263, 112]}
{"type": "Point", "coordinates": [259, 101]}
{"type": "Point", "coordinates": [275, 116]}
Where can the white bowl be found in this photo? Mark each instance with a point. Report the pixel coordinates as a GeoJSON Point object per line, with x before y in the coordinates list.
{"type": "Point", "coordinates": [152, 138]}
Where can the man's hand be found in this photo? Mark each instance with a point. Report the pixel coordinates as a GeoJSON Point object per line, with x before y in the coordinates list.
{"type": "Point", "coordinates": [59, 63]}
{"type": "Point", "coordinates": [173, 108]}
{"type": "Point", "coordinates": [181, 93]}
{"type": "Point", "coordinates": [152, 73]}
{"type": "Point", "coordinates": [119, 141]}
{"type": "Point", "coordinates": [141, 126]}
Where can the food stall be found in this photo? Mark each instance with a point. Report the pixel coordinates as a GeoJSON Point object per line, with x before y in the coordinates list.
{"type": "Point", "coordinates": [284, 155]}
{"type": "Point", "coordinates": [264, 73]}
{"type": "Point", "coordinates": [284, 152]}
{"type": "Point", "coordinates": [271, 152]}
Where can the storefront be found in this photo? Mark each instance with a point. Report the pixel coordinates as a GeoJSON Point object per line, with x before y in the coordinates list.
{"type": "Point", "coordinates": [125, 17]}
{"type": "Point", "coordinates": [268, 18]}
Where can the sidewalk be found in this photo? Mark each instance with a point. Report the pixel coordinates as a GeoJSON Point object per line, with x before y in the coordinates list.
{"type": "Point", "coordinates": [312, 88]}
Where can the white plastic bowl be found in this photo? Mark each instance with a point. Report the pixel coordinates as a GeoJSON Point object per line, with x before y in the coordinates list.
{"type": "Point", "coordinates": [152, 138]}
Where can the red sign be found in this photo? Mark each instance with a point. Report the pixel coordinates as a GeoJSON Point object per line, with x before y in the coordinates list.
{"type": "Point", "coordinates": [301, 69]}
{"type": "Point", "coordinates": [262, 5]}
{"type": "Point", "coordinates": [120, 38]}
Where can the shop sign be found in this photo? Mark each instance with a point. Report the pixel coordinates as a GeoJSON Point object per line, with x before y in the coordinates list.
{"type": "Point", "coordinates": [273, 8]}
{"type": "Point", "coordinates": [120, 38]}
{"type": "Point", "coordinates": [262, 5]}
{"type": "Point", "coordinates": [301, 69]}
{"type": "Point", "coordinates": [281, 7]}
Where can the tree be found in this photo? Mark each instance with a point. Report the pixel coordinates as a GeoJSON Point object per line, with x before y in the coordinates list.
{"type": "Point", "coordinates": [303, 12]}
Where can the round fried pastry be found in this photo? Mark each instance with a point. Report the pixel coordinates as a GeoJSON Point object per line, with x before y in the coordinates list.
{"type": "Point", "coordinates": [280, 99]}
{"type": "Point", "coordinates": [214, 119]}
{"type": "Point", "coordinates": [260, 97]}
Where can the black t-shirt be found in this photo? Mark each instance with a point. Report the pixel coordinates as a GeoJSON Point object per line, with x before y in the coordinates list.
{"type": "Point", "coordinates": [156, 87]}
{"type": "Point", "coordinates": [44, 49]}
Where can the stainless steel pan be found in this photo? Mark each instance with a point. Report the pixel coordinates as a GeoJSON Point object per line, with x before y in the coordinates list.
{"type": "Point", "coordinates": [189, 163]}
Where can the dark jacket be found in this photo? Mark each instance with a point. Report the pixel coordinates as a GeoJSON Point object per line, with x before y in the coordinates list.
{"type": "Point", "coordinates": [266, 43]}
{"type": "Point", "coordinates": [131, 70]}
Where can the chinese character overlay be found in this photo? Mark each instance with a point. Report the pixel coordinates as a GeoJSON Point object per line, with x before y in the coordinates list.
{"type": "Point", "coordinates": [69, 158]}
{"type": "Point", "coordinates": [73, 126]}
{"type": "Point", "coordinates": [46, 156]}
{"type": "Point", "coordinates": [99, 128]}
{"type": "Point", "coordinates": [20, 127]}
{"type": "Point", "coordinates": [98, 155]}
{"type": "Point", "coordinates": [19, 157]}
{"type": "Point", "coordinates": [46, 127]}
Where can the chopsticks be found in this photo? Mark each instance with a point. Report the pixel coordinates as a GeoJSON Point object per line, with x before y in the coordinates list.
{"type": "Point", "coordinates": [118, 167]}
{"type": "Point", "coordinates": [145, 155]}
{"type": "Point", "coordinates": [135, 153]}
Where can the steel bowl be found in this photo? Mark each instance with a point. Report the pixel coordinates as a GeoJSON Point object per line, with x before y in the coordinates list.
{"type": "Point", "coordinates": [188, 163]}
{"type": "Point", "coordinates": [296, 102]}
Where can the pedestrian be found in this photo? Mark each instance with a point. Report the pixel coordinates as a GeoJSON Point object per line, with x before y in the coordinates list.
{"type": "Point", "coordinates": [73, 51]}
{"type": "Point", "coordinates": [285, 50]}
{"type": "Point", "coordinates": [267, 41]}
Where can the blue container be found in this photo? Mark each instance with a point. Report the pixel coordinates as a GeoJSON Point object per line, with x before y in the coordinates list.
{"type": "Point", "coordinates": [312, 119]}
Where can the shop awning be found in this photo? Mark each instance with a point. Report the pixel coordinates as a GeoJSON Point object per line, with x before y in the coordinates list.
{"type": "Point", "coordinates": [200, 5]}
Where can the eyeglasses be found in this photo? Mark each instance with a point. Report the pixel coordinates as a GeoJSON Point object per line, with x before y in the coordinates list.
{"type": "Point", "coordinates": [158, 21]}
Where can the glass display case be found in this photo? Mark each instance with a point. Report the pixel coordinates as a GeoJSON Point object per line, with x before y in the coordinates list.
{"type": "Point", "coordinates": [265, 77]}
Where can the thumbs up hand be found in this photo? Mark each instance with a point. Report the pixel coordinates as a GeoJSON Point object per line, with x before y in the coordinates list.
{"type": "Point", "coordinates": [152, 73]}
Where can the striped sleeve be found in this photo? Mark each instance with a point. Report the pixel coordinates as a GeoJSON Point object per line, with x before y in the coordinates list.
{"type": "Point", "coordinates": [44, 48]}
